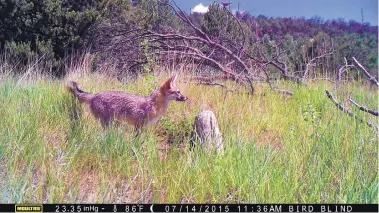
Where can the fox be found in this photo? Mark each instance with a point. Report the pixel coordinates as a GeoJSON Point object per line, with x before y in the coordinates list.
{"type": "Point", "coordinates": [138, 111]}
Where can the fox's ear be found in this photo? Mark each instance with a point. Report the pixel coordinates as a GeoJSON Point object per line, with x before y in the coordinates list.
{"type": "Point", "coordinates": [167, 84]}
{"type": "Point", "coordinates": [173, 79]}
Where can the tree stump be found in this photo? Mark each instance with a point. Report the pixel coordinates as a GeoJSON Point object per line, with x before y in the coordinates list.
{"type": "Point", "coordinates": [207, 133]}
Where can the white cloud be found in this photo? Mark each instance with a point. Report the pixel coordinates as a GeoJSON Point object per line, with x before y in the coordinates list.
{"type": "Point", "coordinates": [200, 8]}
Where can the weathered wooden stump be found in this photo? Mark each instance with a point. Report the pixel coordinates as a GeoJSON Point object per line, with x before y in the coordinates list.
{"type": "Point", "coordinates": [207, 133]}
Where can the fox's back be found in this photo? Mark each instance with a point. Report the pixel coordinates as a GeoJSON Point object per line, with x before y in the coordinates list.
{"type": "Point", "coordinates": [121, 106]}
{"type": "Point", "coordinates": [119, 99]}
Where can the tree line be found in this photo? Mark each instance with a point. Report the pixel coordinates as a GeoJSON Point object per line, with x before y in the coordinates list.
{"type": "Point", "coordinates": [118, 29]}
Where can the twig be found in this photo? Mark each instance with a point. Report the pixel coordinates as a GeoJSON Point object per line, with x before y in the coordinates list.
{"type": "Point", "coordinates": [363, 108]}
{"type": "Point", "coordinates": [347, 111]}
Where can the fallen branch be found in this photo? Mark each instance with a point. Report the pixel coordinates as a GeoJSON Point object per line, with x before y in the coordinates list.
{"type": "Point", "coordinates": [364, 109]}
{"type": "Point", "coordinates": [212, 78]}
{"type": "Point", "coordinates": [208, 83]}
{"type": "Point", "coordinates": [347, 111]}
{"type": "Point", "coordinates": [213, 84]}
{"type": "Point", "coordinates": [371, 78]}
{"type": "Point", "coordinates": [284, 91]}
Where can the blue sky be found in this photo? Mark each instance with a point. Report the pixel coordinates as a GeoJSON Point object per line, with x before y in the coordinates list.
{"type": "Point", "coordinates": [327, 9]}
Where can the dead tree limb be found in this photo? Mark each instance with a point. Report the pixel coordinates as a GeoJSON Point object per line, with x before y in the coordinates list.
{"type": "Point", "coordinates": [363, 108]}
{"type": "Point", "coordinates": [212, 84]}
{"type": "Point", "coordinates": [224, 56]}
{"type": "Point", "coordinates": [284, 91]}
{"type": "Point", "coordinates": [371, 78]}
{"type": "Point", "coordinates": [223, 77]}
{"type": "Point", "coordinates": [347, 111]}
{"type": "Point", "coordinates": [343, 69]}
{"type": "Point", "coordinates": [197, 55]}
{"type": "Point", "coordinates": [203, 41]}
{"type": "Point", "coordinates": [314, 59]}
{"type": "Point", "coordinates": [281, 66]}
{"type": "Point", "coordinates": [207, 83]}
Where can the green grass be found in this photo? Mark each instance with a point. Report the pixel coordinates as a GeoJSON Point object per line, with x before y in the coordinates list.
{"type": "Point", "coordinates": [298, 149]}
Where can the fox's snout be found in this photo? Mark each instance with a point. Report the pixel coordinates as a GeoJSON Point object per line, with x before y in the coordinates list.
{"type": "Point", "coordinates": [181, 98]}
{"type": "Point", "coordinates": [175, 95]}
{"type": "Point", "coordinates": [171, 91]}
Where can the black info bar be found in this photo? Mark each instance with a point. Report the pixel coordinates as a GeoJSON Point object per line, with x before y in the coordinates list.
{"type": "Point", "coordinates": [189, 208]}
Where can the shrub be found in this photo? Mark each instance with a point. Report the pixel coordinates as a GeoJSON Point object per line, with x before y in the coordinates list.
{"type": "Point", "coordinates": [47, 29]}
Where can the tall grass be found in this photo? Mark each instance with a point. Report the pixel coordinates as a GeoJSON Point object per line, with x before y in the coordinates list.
{"type": "Point", "coordinates": [298, 149]}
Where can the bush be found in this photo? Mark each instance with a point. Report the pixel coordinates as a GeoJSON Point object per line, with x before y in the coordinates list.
{"type": "Point", "coordinates": [47, 29]}
{"type": "Point", "coordinates": [19, 54]}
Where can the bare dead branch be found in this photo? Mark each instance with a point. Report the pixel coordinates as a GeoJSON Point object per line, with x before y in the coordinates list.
{"type": "Point", "coordinates": [343, 69]}
{"type": "Point", "coordinates": [363, 108]}
{"type": "Point", "coordinates": [204, 41]}
{"type": "Point", "coordinates": [196, 55]}
{"type": "Point", "coordinates": [312, 60]}
{"type": "Point", "coordinates": [371, 78]}
{"type": "Point", "coordinates": [347, 111]}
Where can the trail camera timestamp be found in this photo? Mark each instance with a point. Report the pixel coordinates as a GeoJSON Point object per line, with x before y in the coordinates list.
{"type": "Point", "coordinates": [259, 208]}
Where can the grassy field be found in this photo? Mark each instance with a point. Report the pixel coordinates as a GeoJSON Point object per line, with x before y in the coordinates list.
{"type": "Point", "coordinates": [278, 149]}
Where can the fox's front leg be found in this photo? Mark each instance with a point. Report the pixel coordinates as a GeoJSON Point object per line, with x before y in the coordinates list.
{"type": "Point", "coordinates": [139, 125]}
{"type": "Point", "coordinates": [138, 128]}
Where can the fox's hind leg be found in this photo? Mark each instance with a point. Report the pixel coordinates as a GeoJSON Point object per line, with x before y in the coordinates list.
{"type": "Point", "coordinates": [105, 119]}
{"type": "Point", "coordinates": [137, 129]}
{"type": "Point", "coordinates": [105, 122]}
{"type": "Point", "coordinates": [100, 111]}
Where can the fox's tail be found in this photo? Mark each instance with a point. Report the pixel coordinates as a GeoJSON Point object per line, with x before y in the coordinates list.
{"type": "Point", "coordinates": [82, 95]}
